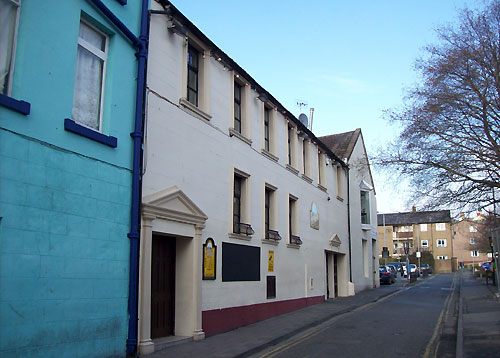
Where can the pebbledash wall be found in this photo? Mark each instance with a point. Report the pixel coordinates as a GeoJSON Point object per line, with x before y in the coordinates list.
{"type": "Point", "coordinates": [64, 197]}
{"type": "Point", "coordinates": [192, 153]}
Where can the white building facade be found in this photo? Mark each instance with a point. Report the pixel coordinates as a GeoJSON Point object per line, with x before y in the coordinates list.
{"type": "Point", "coordinates": [245, 211]}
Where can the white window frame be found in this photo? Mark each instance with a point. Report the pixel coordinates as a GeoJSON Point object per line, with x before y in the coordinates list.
{"type": "Point", "coordinates": [474, 253]}
{"type": "Point", "coordinates": [443, 243]}
{"type": "Point", "coordinates": [423, 227]}
{"type": "Point", "coordinates": [424, 244]}
{"type": "Point", "coordinates": [442, 257]}
{"type": "Point", "coordinates": [472, 241]}
{"type": "Point", "coordinates": [440, 226]}
{"type": "Point", "coordinates": [10, 75]}
{"type": "Point", "coordinates": [368, 206]}
{"type": "Point", "coordinates": [103, 55]}
{"type": "Point", "coordinates": [472, 228]}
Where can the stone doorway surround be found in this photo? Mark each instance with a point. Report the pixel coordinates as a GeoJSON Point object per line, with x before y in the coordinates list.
{"type": "Point", "coordinates": [171, 212]}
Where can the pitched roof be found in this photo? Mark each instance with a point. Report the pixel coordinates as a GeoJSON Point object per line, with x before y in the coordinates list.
{"type": "Point", "coordinates": [342, 144]}
{"type": "Point", "coordinates": [414, 217]}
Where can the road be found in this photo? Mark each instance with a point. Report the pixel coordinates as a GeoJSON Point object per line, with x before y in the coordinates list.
{"type": "Point", "coordinates": [418, 321]}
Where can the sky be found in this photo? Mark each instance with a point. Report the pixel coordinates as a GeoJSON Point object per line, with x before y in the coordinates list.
{"type": "Point", "coordinates": [349, 60]}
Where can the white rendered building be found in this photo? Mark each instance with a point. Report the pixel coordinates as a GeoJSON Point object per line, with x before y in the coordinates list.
{"type": "Point", "coordinates": [362, 207]}
{"type": "Point", "coordinates": [230, 175]}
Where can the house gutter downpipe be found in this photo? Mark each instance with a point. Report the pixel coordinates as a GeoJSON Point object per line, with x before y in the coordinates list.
{"type": "Point", "coordinates": [137, 136]}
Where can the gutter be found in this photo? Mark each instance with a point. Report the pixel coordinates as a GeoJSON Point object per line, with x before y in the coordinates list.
{"type": "Point", "coordinates": [137, 136]}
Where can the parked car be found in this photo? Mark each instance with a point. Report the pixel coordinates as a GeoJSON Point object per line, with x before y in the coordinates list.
{"type": "Point", "coordinates": [396, 265]}
{"type": "Point", "coordinates": [426, 268]}
{"type": "Point", "coordinates": [394, 271]}
{"type": "Point", "coordinates": [413, 269]}
{"type": "Point", "coordinates": [385, 275]}
{"type": "Point", "coordinates": [486, 266]}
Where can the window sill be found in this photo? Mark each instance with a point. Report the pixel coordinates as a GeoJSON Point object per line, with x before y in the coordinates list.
{"type": "Point", "coordinates": [269, 155]}
{"type": "Point", "coordinates": [366, 227]}
{"type": "Point", "coordinates": [339, 198]}
{"type": "Point", "coordinates": [292, 169]}
{"type": "Point", "coordinates": [233, 235]}
{"type": "Point", "coordinates": [293, 246]}
{"type": "Point", "coordinates": [15, 105]}
{"type": "Point", "coordinates": [270, 242]}
{"type": "Point", "coordinates": [321, 187]}
{"type": "Point", "coordinates": [234, 133]}
{"type": "Point", "coordinates": [307, 179]}
{"type": "Point", "coordinates": [72, 126]}
{"type": "Point", "coordinates": [194, 110]}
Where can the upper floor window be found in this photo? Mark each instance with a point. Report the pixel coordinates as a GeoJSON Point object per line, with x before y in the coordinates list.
{"type": "Point", "coordinates": [193, 63]}
{"type": "Point", "coordinates": [472, 228]}
{"type": "Point", "coordinates": [424, 244]}
{"type": "Point", "coordinates": [290, 131]}
{"type": "Point", "coordinates": [339, 180]}
{"type": "Point", "coordinates": [294, 239]}
{"type": "Point", "coordinates": [267, 131]}
{"type": "Point", "coordinates": [240, 204]}
{"type": "Point", "coordinates": [321, 169]}
{"type": "Point", "coordinates": [90, 76]}
{"type": "Point", "coordinates": [423, 227]}
{"type": "Point", "coordinates": [474, 253]}
{"type": "Point", "coordinates": [365, 207]}
{"type": "Point", "coordinates": [440, 226]}
{"type": "Point", "coordinates": [9, 18]}
{"type": "Point", "coordinates": [237, 107]}
{"type": "Point", "coordinates": [472, 241]}
{"type": "Point", "coordinates": [441, 243]}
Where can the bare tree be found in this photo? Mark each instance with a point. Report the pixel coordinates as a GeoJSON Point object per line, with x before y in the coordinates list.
{"type": "Point", "coordinates": [449, 144]}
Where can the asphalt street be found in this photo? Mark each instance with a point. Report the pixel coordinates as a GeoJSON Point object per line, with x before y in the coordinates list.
{"type": "Point", "coordinates": [412, 323]}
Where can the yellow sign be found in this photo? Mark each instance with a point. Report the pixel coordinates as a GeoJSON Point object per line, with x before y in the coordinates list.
{"type": "Point", "coordinates": [270, 261]}
{"type": "Point", "coordinates": [209, 256]}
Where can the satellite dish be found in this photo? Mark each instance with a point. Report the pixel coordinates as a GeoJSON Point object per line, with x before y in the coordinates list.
{"type": "Point", "coordinates": [303, 119]}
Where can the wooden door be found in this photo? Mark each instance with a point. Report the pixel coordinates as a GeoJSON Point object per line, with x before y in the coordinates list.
{"type": "Point", "coordinates": [335, 276]}
{"type": "Point", "coordinates": [163, 287]}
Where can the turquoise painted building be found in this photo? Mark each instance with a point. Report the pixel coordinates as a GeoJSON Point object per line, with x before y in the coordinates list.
{"type": "Point", "coordinates": [68, 88]}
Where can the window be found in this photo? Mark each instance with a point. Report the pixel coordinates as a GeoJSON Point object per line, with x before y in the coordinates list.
{"type": "Point", "coordinates": [424, 244]}
{"type": "Point", "coordinates": [472, 241]}
{"type": "Point", "coordinates": [267, 115]}
{"type": "Point", "coordinates": [193, 63]}
{"type": "Point", "coordinates": [269, 214]}
{"type": "Point", "coordinates": [9, 18]}
{"type": "Point", "coordinates": [474, 253]}
{"type": "Point", "coordinates": [321, 169]}
{"type": "Point", "coordinates": [240, 209]}
{"type": "Point", "coordinates": [290, 146]}
{"type": "Point", "coordinates": [472, 229]}
{"type": "Point", "coordinates": [365, 207]}
{"type": "Point", "coordinates": [237, 204]}
{"type": "Point", "coordinates": [423, 227]}
{"type": "Point", "coordinates": [237, 107]}
{"type": "Point", "coordinates": [292, 221]}
{"type": "Point", "coordinates": [366, 271]}
{"type": "Point", "coordinates": [304, 157]}
{"type": "Point", "coordinates": [441, 243]}
{"type": "Point", "coordinates": [89, 79]}
{"type": "Point", "coordinates": [442, 257]}
{"type": "Point", "coordinates": [339, 178]}
{"type": "Point", "coordinates": [440, 226]}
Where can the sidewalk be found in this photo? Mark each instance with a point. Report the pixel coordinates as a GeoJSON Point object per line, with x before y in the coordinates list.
{"type": "Point", "coordinates": [480, 318]}
{"type": "Point", "coordinates": [245, 341]}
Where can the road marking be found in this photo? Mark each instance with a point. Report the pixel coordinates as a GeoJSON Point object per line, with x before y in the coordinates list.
{"type": "Point", "coordinates": [438, 328]}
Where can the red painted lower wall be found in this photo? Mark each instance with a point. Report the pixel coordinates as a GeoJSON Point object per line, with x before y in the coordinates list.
{"type": "Point", "coordinates": [226, 319]}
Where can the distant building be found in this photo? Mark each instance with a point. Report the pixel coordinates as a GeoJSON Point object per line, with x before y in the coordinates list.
{"type": "Point", "coordinates": [470, 245]}
{"type": "Point", "coordinates": [425, 231]}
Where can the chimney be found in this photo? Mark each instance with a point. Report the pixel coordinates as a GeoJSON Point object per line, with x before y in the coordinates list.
{"type": "Point", "coordinates": [414, 209]}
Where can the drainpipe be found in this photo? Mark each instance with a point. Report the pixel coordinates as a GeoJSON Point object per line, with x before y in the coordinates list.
{"type": "Point", "coordinates": [349, 224]}
{"type": "Point", "coordinates": [137, 135]}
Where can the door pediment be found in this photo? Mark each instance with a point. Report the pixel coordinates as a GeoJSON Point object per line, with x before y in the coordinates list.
{"type": "Point", "coordinates": [173, 204]}
{"type": "Point", "coordinates": [335, 241]}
